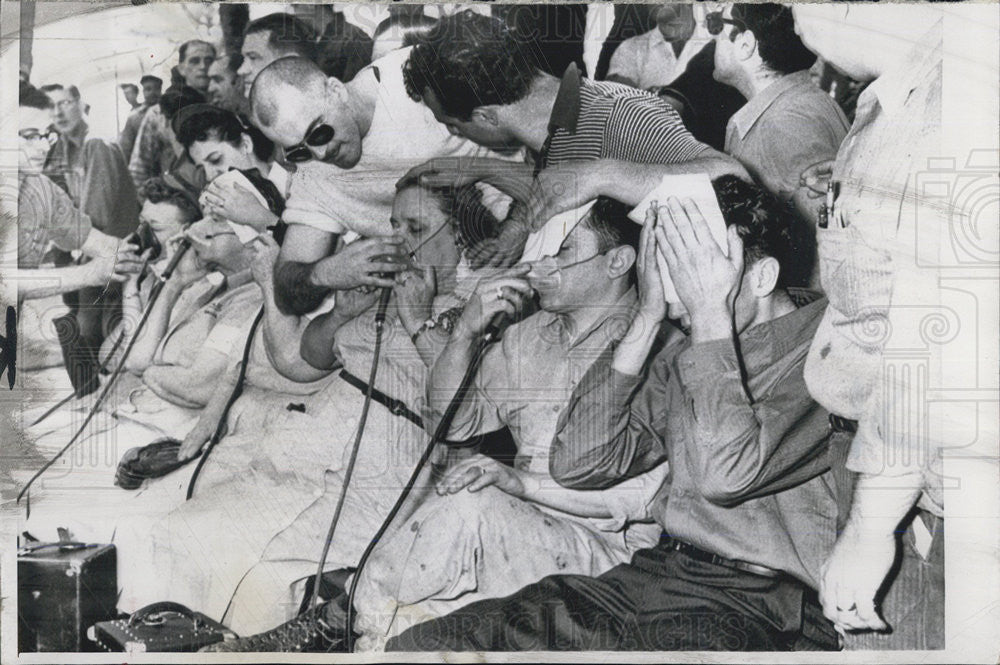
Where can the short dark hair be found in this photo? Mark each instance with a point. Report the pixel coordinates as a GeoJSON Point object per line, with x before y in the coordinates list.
{"type": "Point", "coordinates": [413, 27]}
{"type": "Point", "coordinates": [207, 122]}
{"type": "Point", "coordinates": [608, 219]}
{"type": "Point", "coordinates": [468, 60]}
{"type": "Point", "coordinates": [774, 28]}
{"type": "Point", "coordinates": [129, 86]}
{"type": "Point", "coordinates": [157, 190]}
{"type": "Point", "coordinates": [182, 51]}
{"type": "Point", "coordinates": [149, 78]}
{"type": "Point", "coordinates": [287, 34]}
{"type": "Point", "coordinates": [767, 228]}
{"type": "Point", "coordinates": [73, 91]}
{"type": "Point", "coordinates": [176, 98]}
{"type": "Point", "coordinates": [32, 97]}
{"type": "Point", "coordinates": [233, 62]}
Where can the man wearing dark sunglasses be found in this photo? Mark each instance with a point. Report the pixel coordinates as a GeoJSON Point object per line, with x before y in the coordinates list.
{"type": "Point", "coordinates": [351, 142]}
{"type": "Point", "coordinates": [788, 123]}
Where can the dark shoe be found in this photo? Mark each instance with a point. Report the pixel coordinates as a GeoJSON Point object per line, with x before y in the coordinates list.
{"type": "Point", "coordinates": [308, 632]}
{"type": "Point", "coordinates": [153, 460]}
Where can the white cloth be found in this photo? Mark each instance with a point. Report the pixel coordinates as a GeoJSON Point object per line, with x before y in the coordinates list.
{"type": "Point", "coordinates": [403, 134]}
{"type": "Point", "coordinates": [459, 549]}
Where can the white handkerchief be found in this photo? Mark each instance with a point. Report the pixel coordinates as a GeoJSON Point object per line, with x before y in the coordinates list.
{"type": "Point", "coordinates": [547, 240]}
{"type": "Point", "coordinates": [228, 180]}
{"type": "Point", "coordinates": [696, 186]}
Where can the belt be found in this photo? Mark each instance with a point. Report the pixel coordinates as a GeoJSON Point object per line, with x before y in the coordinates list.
{"type": "Point", "coordinates": [396, 407]}
{"type": "Point", "coordinates": [709, 557]}
{"type": "Point", "coordinates": [838, 424]}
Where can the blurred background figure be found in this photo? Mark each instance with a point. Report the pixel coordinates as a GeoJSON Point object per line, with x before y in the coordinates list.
{"type": "Point", "coordinates": [196, 57]}
{"type": "Point", "coordinates": [151, 88]}
{"type": "Point", "coordinates": [93, 173]}
{"type": "Point", "coordinates": [131, 93]}
{"type": "Point", "coordinates": [788, 124]}
{"type": "Point", "coordinates": [225, 85]}
{"type": "Point", "coordinates": [660, 55]}
{"type": "Point", "coordinates": [343, 48]}
{"type": "Point", "coordinates": [270, 38]}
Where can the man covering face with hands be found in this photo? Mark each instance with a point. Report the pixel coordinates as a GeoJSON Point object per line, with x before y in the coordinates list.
{"type": "Point", "coordinates": [748, 511]}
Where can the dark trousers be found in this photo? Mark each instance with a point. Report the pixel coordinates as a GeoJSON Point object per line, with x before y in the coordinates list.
{"type": "Point", "coordinates": [663, 600]}
{"type": "Point", "coordinates": [93, 312]}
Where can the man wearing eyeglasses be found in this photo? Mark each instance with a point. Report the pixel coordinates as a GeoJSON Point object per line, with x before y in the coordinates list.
{"type": "Point", "coordinates": [352, 142]}
{"type": "Point", "coordinates": [788, 123]}
{"type": "Point", "coordinates": [47, 217]}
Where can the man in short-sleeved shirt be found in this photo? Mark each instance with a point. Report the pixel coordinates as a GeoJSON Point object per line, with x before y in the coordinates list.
{"type": "Point", "coordinates": [46, 216]}
{"type": "Point", "coordinates": [351, 143]}
{"type": "Point", "coordinates": [588, 138]}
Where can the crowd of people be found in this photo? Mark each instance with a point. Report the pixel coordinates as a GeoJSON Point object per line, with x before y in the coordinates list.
{"type": "Point", "coordinates": [632, 467]}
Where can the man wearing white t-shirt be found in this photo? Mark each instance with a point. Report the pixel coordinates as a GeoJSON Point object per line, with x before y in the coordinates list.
{"type": "Point", "coordinates": [354, 141]}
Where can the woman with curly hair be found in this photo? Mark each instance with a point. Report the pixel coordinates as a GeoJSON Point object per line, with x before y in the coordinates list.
{"type": "Point", "coordinates": [270, 483]}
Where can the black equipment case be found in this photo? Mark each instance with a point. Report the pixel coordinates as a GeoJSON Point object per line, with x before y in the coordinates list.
{"type": "Point", "coordinates": [63, 589]}
{"type": "Point", "coordinates": [161, 627]}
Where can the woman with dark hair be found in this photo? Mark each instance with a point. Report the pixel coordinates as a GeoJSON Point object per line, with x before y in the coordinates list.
{"type": "Point", "coordinates": [174, 369]}
{"type": "Point", "coordinates": [218, 141]}
{"type": "Point", "coordinates": [276, 458]}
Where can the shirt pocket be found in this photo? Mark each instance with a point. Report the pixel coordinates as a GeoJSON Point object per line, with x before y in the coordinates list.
{"type": "Point", "coordinates": [856, 275]}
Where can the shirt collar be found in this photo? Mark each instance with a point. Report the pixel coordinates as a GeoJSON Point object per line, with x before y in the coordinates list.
{"type": "Point", "coordinates": [893, 88]}
{"type": "Point", "coordinates": [566, 110]}
{"type": "Point", "coordinates": [77, 134]}
{"type": "Point", "coordinates": [765, 343]}
{"type": "Point", "coordinates": [621, 311]}
{"type": "Point", "coordinates": [747, 117]}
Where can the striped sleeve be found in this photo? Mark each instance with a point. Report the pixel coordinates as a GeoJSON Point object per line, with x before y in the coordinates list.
{"type": "Point", "coordinates": [648, 132]}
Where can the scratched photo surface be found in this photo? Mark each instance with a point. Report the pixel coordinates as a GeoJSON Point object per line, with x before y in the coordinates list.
{"type": "Point", "coordinates": [486, 331]}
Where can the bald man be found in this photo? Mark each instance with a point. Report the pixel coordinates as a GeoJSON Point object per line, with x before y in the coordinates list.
{"type": "Point", "coordinates": [352, 142]}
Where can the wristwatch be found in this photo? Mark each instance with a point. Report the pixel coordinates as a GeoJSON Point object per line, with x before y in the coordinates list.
{"type": "Point", "coordinates": [424, 327]}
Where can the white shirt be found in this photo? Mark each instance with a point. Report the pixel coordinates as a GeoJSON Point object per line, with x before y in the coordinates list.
{"type": "Point", "coordinates": [403, 134]}
{"type": "Point", "coordinates": [648, 60]}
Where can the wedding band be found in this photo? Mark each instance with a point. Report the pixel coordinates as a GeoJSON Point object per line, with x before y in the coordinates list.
{"type": "Point", "coordinates": [852, 608]}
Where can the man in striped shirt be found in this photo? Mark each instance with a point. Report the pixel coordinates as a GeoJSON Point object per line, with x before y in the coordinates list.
{"type": "Point", "coordinates": [585, 138]}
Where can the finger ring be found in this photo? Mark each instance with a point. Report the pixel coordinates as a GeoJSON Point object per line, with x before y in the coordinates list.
{"type": "Point", "coordinates": [499, 293]}
{"type": "Point", "coordinates": [852, 608]}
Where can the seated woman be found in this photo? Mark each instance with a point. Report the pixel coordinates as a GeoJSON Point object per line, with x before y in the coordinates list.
{"type": "Point", "coordinates": [218, 141]}
{"type": "Point", "coordinates": [177, 365]}
{"type": "Point", "coordinates": [254, 527]}
{"type": "Point", "coordinates": [514, 525]}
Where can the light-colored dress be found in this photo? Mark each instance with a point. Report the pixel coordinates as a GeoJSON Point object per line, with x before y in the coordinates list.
{"type": "Point", "coordinates": [78, 492]}
{"type": "Point", "coordinates": [268, 491]}
{"type": "Point", "coordinates": [461, 548]}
